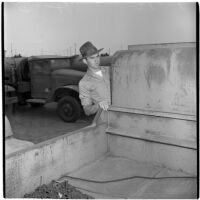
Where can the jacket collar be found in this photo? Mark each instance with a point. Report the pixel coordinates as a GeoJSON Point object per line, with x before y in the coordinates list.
{"type": "Point", "coordinates": [95, 75]}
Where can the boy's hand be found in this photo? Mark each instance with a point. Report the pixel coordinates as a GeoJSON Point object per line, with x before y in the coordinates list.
{"type": "Point", "coordinates": [104, 105]}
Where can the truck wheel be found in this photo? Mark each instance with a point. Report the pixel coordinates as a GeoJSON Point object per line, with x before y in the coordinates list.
{"type": "Point", "coordinates": [69, 109]}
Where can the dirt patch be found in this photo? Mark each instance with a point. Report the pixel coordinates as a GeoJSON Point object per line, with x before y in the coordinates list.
{"type": "Point", "coordinates": [56, 190]}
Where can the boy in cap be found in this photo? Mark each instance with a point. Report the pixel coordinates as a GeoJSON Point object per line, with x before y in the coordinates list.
{"type": "Point", "coordinates": [94, 87]}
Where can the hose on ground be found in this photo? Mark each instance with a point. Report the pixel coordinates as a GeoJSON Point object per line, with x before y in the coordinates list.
{"type": "Point", "coordinates": [127, 178]}
{"type": "Point", "coordinates": [116, 196]}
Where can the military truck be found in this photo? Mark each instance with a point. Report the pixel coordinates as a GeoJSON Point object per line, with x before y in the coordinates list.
{"type": "Point", "coordinates": [43, 79]}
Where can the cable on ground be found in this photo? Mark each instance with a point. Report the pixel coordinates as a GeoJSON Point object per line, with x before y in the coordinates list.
{"type": "Point", "coordinates": [131, 177]}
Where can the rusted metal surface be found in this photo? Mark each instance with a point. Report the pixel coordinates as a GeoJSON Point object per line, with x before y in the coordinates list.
{"type": "Point", "coordinates": [161, 79]}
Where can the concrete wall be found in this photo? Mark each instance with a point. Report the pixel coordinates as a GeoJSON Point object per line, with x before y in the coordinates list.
{"type": "Point", "coordinates": [28, 169]}
{"type": "Point", "coordinates": [162, 140]}
{"type": "Point", "coordinates": [175, 131]}
{"type": "Point", "coordinates": [156, 78]}
{"type": "Point", "coordinates": [8, 129]}
{"type": "Point", "coordinates": [153, 113]}
{"type": "Point", "coordinates": [161, 45]}
{"type": "Point", "coordinates": [172, 157]}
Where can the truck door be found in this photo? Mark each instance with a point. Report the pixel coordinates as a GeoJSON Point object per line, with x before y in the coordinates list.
{"type": "Point", "coordinates": [40, 73]}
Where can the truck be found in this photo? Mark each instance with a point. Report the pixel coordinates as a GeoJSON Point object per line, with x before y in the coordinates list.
{"type": "Point", "coordinates": [143, 147]}
{"type": "Point", "coordinates": [39, 80]}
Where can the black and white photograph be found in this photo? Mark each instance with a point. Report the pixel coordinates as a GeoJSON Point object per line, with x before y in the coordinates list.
{"type": "Point", "coordinates": [100, 100]}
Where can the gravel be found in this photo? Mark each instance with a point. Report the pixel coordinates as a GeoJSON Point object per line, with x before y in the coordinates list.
{"type": "Point", "coordinates": [56, 190]}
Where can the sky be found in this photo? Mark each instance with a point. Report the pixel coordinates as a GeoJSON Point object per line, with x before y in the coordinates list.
{"type": "Point", "coordinates": [61, 28]}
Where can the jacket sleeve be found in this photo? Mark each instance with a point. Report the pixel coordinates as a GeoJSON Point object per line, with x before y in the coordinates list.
{"type": "Point", "coordinates": [86, 101]}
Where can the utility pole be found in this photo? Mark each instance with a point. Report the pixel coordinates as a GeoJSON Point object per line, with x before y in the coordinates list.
{"type": "Point", "coordinates": [74, 48]}
{"type": "Point", "coordinates": [70, 51]}
{"type": "Point", "coordinates": [11, 50]}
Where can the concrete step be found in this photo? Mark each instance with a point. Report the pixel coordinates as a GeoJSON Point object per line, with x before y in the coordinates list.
{"type": "Point", "coordinates": [183, 143]}
{"type": "Point", "coordinates": [165, 139]}
{"type": "Point", "coordinates": [174, 157]}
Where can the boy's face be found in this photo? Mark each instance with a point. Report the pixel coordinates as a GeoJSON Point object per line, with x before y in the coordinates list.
{"type": "Point", "coordinates": [93, 61]}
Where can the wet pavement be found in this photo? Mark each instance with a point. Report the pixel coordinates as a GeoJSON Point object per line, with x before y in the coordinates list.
{"type": "Point", "coordinates": [40, 124]}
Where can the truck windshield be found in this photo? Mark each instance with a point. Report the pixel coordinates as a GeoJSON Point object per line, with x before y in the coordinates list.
{"type": "Point", "coordinates": [60, 63]}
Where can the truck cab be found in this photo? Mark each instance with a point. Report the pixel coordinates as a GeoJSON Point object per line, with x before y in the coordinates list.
{"type": "Point", "coordinates": [53, 79]}
{"type": "Point", "coordinates": [43, 79]}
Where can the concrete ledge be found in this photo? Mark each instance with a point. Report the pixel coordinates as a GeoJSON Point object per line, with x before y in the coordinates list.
{"type": "Point", "coordinates": [172, 157]}
{"type": "Point", "coordinates": [159, 129]}
{"type": "Point", "coordinates": [154, 113]}
{"type": "Point", "coordinates": [98, 120]}
{"type": "Point", "coordinates": [12, 145]}
{"type": "Point", "coordinates": [162, 45]}
{"type": "Point", "coordinates": [49, 160]}
{"type": "Point", "coordinates": [47, 142]}
{"type": "Point", "coordinates": [156, 139]}
{"type": "Point", "coordinates": [147, 138]}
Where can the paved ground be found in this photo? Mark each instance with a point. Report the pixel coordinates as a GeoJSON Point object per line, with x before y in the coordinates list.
{"type": "Point", "coordinates": [40, 124]}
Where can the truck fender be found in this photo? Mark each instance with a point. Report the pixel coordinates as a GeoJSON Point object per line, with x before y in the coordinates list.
{"type": "Point", "coordinates": [71, 90]}
{"type": "Point", "coordinates": [72, 87]}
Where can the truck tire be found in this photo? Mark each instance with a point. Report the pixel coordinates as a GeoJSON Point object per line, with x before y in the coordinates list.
{"type": "Point", "coordinates": [69, 109]}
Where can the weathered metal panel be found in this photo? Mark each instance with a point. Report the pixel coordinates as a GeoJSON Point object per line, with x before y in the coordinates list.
{"type": "Point", "coordinates": [162, 79]}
